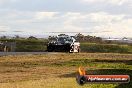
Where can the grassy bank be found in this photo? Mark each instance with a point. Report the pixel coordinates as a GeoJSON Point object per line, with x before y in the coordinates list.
{"type": "Point", "coordinates": [31, 45]}
{"type": "Point", "coordinates": [28, 45]}
{"type": "Point", "coordinates": [59, 70]}
{"type": "Point", "coordinates": [39, 45]}
{"type": "Point", "coordinates": [85, 47]}
{"type": "Point", "coordinates": [106, 48]}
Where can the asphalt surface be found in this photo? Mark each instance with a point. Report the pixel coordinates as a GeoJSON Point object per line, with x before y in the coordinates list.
{"type": "Point", "coordinates": [23, 53]}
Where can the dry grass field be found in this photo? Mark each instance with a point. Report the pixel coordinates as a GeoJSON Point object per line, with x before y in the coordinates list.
{"type": "Point", "coordinates": [59, 70]}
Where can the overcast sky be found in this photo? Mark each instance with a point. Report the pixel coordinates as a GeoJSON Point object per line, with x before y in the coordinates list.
{"type": "Point", "coordinates": [40, 16]}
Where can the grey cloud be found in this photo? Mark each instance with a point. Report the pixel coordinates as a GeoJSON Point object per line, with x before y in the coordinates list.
{"type": "Point", "coordinates": [68, 6]}
{"type": "Point", "coordinates": [20, 15]}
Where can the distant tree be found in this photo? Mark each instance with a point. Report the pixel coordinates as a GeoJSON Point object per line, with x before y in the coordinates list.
{"type": "Point", "coordinates": [98, 39]}
{"type": "Point", "coordinates": [3, 37]}
{"type": "Point", "coordinates": [32, 38]}
{"type": "Point", "coordinates": [17, 36]}
{"type": "Point", "coordinates": [79, 37]}
{"type": "Point", "coordinates": [82, 38]}
{"type": "Point", "coordinates": [124, 38]}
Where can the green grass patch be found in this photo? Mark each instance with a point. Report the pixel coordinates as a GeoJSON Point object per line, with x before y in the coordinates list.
{"type": "Point", "coordinates": [106, 48]}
